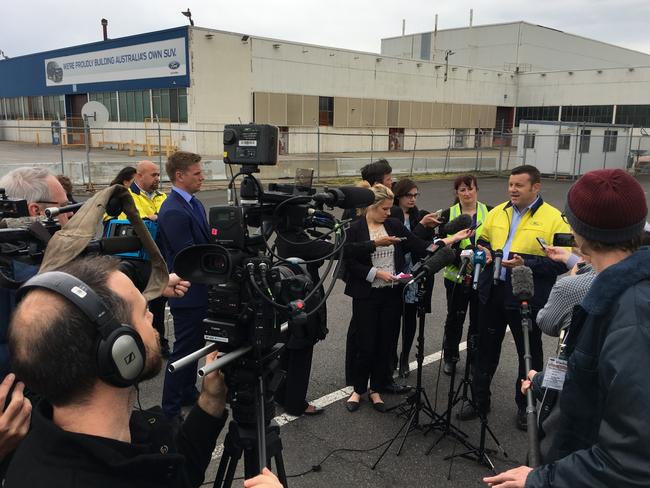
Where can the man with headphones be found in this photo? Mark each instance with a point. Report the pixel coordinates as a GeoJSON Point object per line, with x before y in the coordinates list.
{"type": "Point", "coordinates": [82, 338]}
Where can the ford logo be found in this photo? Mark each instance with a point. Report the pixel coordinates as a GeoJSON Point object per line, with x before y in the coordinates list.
{"type": "Point", "coordinates": [174, 65]}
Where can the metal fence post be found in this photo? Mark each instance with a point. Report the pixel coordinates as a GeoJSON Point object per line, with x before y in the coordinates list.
{"type": "Point", "coordinates": [415, 143]}
{"type": "Point", "coordinates": [87, 141]}
{"type": "Point", "coordinates": [160, 168]}
{"type": "Point", "coordinates": [318, 153]}
{"type": "Point", "coordinates": [606, 140]}
{"type": "Point", "coordinates": [557, 148]}
{"type": "Point", "coordinates": [444, 169]}
{"type": "Point", "coordinates": [501, 147]}
{"type": "Point", "coordinates": [58, 117]}
{"type": "Point", "coordinates": [372, 144]}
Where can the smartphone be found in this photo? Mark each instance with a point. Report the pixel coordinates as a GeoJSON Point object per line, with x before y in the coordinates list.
{"type": "Point", "coordinates": [542, 242]}
{"type": "Point", "coordinates": [475, 226]}
{"type": "Point", "coordinates": [404, 277]}
{"type": "Point", "coordinates": [564, 239]}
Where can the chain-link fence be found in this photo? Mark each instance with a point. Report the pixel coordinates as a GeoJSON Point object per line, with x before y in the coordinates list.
{"type": "Point", "coordinates": [90, 155]}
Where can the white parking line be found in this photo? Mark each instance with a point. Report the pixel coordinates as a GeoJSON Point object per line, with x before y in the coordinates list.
{"type": "Point", "coordinates": [337, 395]}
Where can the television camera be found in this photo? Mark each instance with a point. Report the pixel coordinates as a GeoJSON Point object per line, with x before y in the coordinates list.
{"type": "Point", "coordinates": [259, 297]}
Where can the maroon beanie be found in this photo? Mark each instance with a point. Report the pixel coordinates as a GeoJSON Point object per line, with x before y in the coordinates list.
{"type": "Point", "coordinates": [607, 205]}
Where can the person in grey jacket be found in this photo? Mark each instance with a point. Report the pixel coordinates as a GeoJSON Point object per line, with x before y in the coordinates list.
{"type": "Point", "coordinates": [603, 435]}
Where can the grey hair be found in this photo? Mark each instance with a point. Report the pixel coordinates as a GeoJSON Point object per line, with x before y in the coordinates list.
{"type": "Point", "coordinates": [28, 183]}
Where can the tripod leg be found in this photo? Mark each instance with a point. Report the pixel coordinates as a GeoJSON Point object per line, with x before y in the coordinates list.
{"type": "Point", "coordinates": [279, 466]}
{"type": "Point", "coordinates": [408, 421]}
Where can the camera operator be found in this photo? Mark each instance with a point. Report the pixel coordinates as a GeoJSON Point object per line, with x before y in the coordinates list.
{"type": "Point", "coordinates": [40, 189]}
{"type": "Point", "coordinates": [603, 433]}
{"type": "Point", "coordinates": [84, 432]}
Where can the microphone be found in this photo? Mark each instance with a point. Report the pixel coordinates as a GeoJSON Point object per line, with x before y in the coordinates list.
{"type": "Point", "coordinates": [523, 287]}
{"type": "Point", "coordinates": [444, 256]}
{"type": "Point", "coordinates": [461, 222]}
{"type": "Point", "coordinates": [114, 245]}
{"type": "Point", "coordinates": [114, 207]}
{"type": "Point", "coordinates": [346, 197]}
{"type": "Point", "coordinates": [479, 262]}
{"type": "Point", "coordinates": [465, 258]}
{"type": "Point", "coordinates": [498, 257]}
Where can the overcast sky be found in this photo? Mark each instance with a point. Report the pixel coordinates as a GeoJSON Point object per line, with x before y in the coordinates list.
{"type": "Point", "coordinates": [28, 26]}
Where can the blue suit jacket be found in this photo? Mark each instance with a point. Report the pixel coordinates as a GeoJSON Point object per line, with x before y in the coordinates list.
{"type": "Point", "coordinates": [179, 227]}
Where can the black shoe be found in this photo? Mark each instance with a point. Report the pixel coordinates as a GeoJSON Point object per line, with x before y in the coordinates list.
{"type": "Point", "coordinates": [379, 405]}
{"type": "Point", "coordinates": [449, 367]}
{"type": "Point", "coordinates": [468, 412]}
{"type": "Point", "coordinates": [522, 420]}
{"type": "Point", "coordinates": [314, 410]}
{"type": "Point", "coordinates": [352, 406]}
{"type": "Point", "coordinates": [396, 389]}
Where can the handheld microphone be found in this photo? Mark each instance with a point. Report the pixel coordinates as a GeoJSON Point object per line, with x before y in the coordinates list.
{"type": "Point", "coordinates": [466, 257]}
{"type": "Point", "coordinates": [345, 197]}
{"type": "Point", "coordinates": [498, 257]}
{"type": "Point", "coordinates": [434, 263]}
{"type": "Point", "coordinates": [461, 222]}
{"type": "Point", "coordinates": [523, 287]}
{"type": "Point", "coordinates": [479, 262]}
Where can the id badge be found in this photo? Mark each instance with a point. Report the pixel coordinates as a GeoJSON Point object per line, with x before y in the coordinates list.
{"type": "Point", "coordinates": [554, 374]}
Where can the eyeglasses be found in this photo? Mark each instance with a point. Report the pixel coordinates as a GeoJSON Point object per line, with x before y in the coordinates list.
{"type": "Point", "coordinates": [411, 195]}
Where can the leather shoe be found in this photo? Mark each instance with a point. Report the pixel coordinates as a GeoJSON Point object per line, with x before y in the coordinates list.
{"type": "Point", "coordinates": [468, 412]}
{"type": "Point", "coordinates": [522, 420]}
{"type": "Point", "coordinates": [449, 367]}
{"type": "Point", "coordinates": [396, 389]}
{"type": "Point", "coordinates": [313, 410]}
{"type": "Point", "coordinates": [379, 405]}
{"type": "Point", "coordinates": [352, 406]}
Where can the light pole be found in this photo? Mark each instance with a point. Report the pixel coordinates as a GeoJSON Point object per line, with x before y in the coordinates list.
{"type": "Point", "coordinates": [448, 53]}
{"type": "Point", "coordinates": [188, 14]}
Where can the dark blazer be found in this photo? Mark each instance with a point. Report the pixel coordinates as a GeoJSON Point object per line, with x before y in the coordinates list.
{"type": "Point", "coordinates": [358, 266]}
{"type": "Point", "coordinates": [179, 227]}
{"type": "Point", "coordinates": [415, 215]}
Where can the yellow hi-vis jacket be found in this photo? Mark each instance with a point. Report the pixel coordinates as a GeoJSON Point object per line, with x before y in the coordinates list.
{"type": "Point", "coordinates": [542, 220]}
{"type": "Point", "coordinates": [146, 206]}
{"type": "Point", "coordinates": [451, 271]}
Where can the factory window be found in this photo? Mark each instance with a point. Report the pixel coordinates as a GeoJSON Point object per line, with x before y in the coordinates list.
{"type": "Point", "coordinates": [564, 142]}
{"type": "Point", "coordinates": [134, 106]}
{"type": "Point", "coordinates": [609, 141]}
{"type": "Point", "coordinates": [54, 107]}
{"type": "Point", "coordinates": [585, 138]}
{"type": "Point", "coordinates": [536, 113]}
{"type": "Point", "coordinates": [529, 141]}
{"type": "Point", "coordinates": [108, 100]}
{"type": "Point", "coordinates": [636, 115]}
{"type": "Point", "coordinates": [325, 110]}
{"type": "Point", "coordinates": [170, 104]}
{"type": "Point", "coordinates": [14, 108]}
{"type": "Point", "coordinates": [34, 108]}
{"type": "Point", "coordinates": [600, 114]}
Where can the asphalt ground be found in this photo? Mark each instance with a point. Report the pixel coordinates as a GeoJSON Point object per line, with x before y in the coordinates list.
{"type": "Point", "coordinates": [348, 437]}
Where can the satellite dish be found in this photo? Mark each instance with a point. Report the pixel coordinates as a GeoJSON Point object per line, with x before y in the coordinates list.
{"type": "Point", "coordinates": [95, 113]}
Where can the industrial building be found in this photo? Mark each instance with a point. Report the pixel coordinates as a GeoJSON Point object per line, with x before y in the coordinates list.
{"type": "Point", "coordinates": [454, 87]}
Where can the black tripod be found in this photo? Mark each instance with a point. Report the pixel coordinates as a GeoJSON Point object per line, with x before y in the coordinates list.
{"type": "Point", "coordinates": [417, 401]}
{"type": "Point", "coordinates": [261, 443]}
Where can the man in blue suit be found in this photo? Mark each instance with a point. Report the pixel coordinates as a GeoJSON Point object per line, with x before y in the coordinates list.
{"type": "Point", "coordinates": [182, 223]}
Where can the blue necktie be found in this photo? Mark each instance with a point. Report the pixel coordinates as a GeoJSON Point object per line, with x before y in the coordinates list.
{"type": "Point", "coordinates": [198, 211]}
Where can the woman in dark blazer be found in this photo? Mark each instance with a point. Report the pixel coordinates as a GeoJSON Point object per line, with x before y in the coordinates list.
{"type": "Point", "coordinates": [376, 296]}
{"type": "Point", "coordinates": [418, 221]}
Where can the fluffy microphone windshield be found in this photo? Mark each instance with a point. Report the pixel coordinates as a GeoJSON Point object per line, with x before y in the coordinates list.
{"type": "Point", "coordinates": [461, 222]}
{"type": "Point", "coordinates": [523, 287]}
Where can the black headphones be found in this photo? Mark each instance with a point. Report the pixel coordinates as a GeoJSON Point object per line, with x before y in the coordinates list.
{"type": "Point", "coordinates": [120, 351]}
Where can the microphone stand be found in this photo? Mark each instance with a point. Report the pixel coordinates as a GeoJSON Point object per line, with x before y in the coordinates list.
{"type": "Point", "coordinates": [531, 409]}
{"type": "Point", "coordinates": [417, 401]}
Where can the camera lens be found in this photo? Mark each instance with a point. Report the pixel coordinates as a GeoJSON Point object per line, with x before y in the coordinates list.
{"type": "Point", "coordinates": [216, 262]}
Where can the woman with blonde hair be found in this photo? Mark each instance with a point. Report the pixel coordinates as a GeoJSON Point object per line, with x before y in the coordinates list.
{"type": "Point", "coordinates": [373, 284]}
